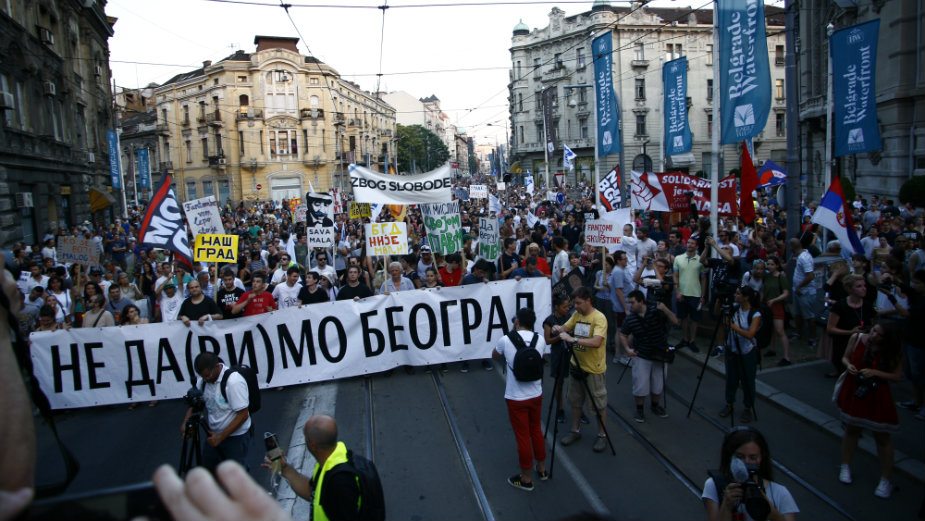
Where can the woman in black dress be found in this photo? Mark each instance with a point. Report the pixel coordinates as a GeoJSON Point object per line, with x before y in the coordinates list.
{"type": "Point", "coordinates": [848, 316]}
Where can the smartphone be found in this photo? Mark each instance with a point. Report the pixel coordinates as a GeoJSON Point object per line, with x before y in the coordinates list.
{"type": "Point", "coordinates": [120, 503]}
{"type": "Point", "coordinates": [274, 452]}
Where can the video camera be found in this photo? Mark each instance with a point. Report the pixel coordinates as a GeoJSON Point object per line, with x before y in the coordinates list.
{"type": "Point", "coordinates": [195, 400]}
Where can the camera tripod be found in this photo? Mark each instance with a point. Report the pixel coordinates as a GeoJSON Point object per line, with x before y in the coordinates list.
{"type": "Point", "coordinates": [569, 351]}
{"type": "Point", "coordinates": [191, 451]}
{"type": "Point", "coordinates": [726, 313]}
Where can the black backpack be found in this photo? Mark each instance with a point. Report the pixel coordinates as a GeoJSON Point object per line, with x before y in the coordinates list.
{"type": "Point", "coordinates": [253, 388]}
{"type": "Point", "coordinates": [528, 363]}
{"type": "Point", "coordinates": [372, 499]}
{"type": "Point", "coordinates": [766, 329]}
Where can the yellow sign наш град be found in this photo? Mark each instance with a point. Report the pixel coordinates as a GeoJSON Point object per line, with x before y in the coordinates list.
{"type": "Point", "coordinates": [215, 248]}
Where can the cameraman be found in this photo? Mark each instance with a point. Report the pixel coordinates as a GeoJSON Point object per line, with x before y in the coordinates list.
{"type": "Point", "coordinates": [724, 279]}
{"type": "Point", "coordinates": [229, 422]}
{"type": "Point", "coordinates": [645, 326]}
{"type": "Point", "coordinates": [653, 280]}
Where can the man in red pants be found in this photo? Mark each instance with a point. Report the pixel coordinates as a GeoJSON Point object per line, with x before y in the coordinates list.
{"type": "Point", "coordinates": [525, 400]}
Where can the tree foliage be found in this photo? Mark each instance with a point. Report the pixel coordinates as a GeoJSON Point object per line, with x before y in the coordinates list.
{"type": "Point", "coordinates": [913, 191]}
{"type": "Point", "coordinates": [419, 149]}
{"type": "Point", "coordinates": [847, 187]}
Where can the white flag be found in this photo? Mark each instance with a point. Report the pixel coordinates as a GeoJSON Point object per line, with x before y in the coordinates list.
{"type": "Point", "coordinates": [568, 157]}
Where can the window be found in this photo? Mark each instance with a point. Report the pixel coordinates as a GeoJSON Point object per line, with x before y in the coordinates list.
{"type": "Point", "coordinates": [186, 114]}
{"type": "Point", "coordinates": [709, 125]}
{"type": "Point", "coordinates": [558, 60]}
{"type": "Point", "coordinates": [520, 134]}
{"type": "Point", "coordinates": [709, 54]}
{"type": "Point", "coordinates": [583, 128]}
{"type": "Point", "coordinates": [779, 89]}
{"type": "Point", "coordinates": [280, 92]}
{"type": "Point", "coordinates": [520, 102]}
{"type": "Point", "coordinates": [202, 111]}
{"type": "Point", "coordinates": [538, 101]}
{"type": "Point", "coordinates": [224, 191]}
{"type": "Point", "coordinates": [536, 67]}
{"type": "Point", "coordinates": [166, 149]}
{"type": "Point", "coordinates": [582, 95]}
{"type": "Point", "coordinates": [540, 135]}
{"type": "Point", "coordinates": [205, 148]}
{"type": "Point", "coordinates": [219, 150]}
{"type": "Point", "coordinates": [778, 55]}
{"type": "Point", "coordinates": [639, 52]}
{"type": "Point", "coordinates": [11, 116]}
{"type": "Point", "coordinates": [580, 57]}
{"type": "Point", "coordinates": [672, 51]}
{"type": "Point", "coordinates": [518, 72]}
{"type": "Point", "coordinates": [314, 102]}
{"type": "Point", "coordinates": [640, 124]}
{"type": "Point", "coordinates": [710, 90]}
{"type": "Point", "coordinates": [240, 143]}
{"type": "Point", "coordinates": [283, 143]}
{"type": "Point", "coordinates": [242, 79]}
{"type": "Point", "coordinates": [780, 124]}
{"type": "Point", "coordinates": [191, 190]}
{"type": "Point", "coordinates": [164, 116]}
{"type": "Point", "coordinates": [640, 88]}
{"type": "Point", "coordinates": [313, 81]}
{"type": "Point", "coordinates": [189, 151]}
{"type": "Point", "coordinates": [207, 188]}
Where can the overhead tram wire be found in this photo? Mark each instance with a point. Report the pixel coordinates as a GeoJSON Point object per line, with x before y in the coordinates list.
{"type": "Point", "coordinates": [409, 6]}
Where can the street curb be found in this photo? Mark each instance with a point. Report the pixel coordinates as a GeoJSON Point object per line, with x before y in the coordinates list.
{"type": "Point", "coordinates": [903, 462]}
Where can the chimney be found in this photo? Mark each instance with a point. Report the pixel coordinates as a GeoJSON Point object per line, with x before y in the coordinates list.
{"type": "Point", "coordinates": [206, 63]}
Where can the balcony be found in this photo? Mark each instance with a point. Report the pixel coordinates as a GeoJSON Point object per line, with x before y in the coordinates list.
{"type": "Point", "coordinates": [185, 122]}
{"type": "Point", "coordinates": [245, 113]}
{"type": "Point", "coordinates": [314, 160]}
{"type": "Point", "coordinates": [385, 132]}
{"type": "Point", "coordinates": [311, 114]}
{"type": "Point", "coordinates": [642, 64]}
{"type": "Point", "coordinates": [354, 122]}
{"type": "Point", "coordinates": [214, 118]}
{"type": "Point", "coordinates": [339, 118]}
{"type": "Point", "coordinates": [162, 129]}
{"type": "Point", "coordinates": [556, 73]}
{"type": "Point", "coordinates": [166, 166]}
{"type": "Point", "coordinates": [201, 118]}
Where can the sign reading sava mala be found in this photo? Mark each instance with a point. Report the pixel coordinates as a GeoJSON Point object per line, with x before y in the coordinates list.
{"type": "Point", "coordinates": [104, 366]}
{"type": "Point", "coordinates": [431, 187]}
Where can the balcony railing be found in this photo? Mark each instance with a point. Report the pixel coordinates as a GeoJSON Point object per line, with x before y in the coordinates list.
{"type": "Point", "coordinates": [214, 118]}
{"type": "Point", "coordinates": [311, 114]}
{"type": "Point", "coordinates": [248, 113]}
{"type": "Point", "coordinates": [339, 118]}
{"type": "Point", "coordinates": [166, 166]}
{"type": "Point", "coordinates": [162, 128]}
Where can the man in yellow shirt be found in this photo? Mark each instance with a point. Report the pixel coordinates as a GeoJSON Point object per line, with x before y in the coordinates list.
{"type": "Point", "coordinates": [586, 331]}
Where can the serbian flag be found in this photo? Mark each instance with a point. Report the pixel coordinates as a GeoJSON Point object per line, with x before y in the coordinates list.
{"type": "Point", "coordinates": [163, 226]}
{"type": "Point", "coordinates": [748, 184]}
{"type": "Point", "coordinates": [833, 214]}
{"type": "Point", "coordinates": [771, 174]}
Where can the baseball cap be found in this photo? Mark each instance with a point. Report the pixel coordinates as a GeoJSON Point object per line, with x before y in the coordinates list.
{"type": "Point", "coordinates": [425, 249]}
{"type": "Point", "coordinates": [170, 285]}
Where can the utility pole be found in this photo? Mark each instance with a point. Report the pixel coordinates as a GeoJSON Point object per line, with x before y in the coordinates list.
{"type": "Point", "coordinates": [793, 188]}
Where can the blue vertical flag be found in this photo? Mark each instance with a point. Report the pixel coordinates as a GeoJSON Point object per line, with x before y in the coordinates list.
{"type": "Point", "coordinates": [745, 76]}
{"type": "Point", "coordinates": [144, 169]}
{"type": "Point", "coordinates": [115, 174]}
{"type": "Point", "coordinates": [853, 51]}
{"type": "Point", "coordinates": [608, 119]}
{"type": "Point", "coordinates": [677, 130]}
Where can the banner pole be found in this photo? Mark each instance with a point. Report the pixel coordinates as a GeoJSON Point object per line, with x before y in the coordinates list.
{"type": "Point", "coordinates": [716, 128]}
{"type": "Point", "coordinates": [829, 29]}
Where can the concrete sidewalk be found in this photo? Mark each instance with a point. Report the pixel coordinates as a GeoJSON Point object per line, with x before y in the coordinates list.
{"type": "Point", "coordinates": [803, 390]}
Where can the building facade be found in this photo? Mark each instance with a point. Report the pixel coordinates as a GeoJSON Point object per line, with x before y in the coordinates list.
{"type": "Point", "coordinates": [425, 112]}
{"type": "Point", "coordinates": [268, 125]}
{"type": "Point", "coordinates": [644, 38]}
{"type": "Point", "coordinates": [900, 94]}
{"type": "Point", "coordinates": [55, 110]}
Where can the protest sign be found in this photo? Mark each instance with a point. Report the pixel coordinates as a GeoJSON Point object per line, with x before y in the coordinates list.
{"type": "Point", "coordinates": [444, 227]}
{"type": "Point", "coordinates": [489, 238]}
{"type": "Point", "coordinates": [203, 216]}
{"type": "Point", "coordinates": [605, 233]}
{"type": "Point", "coordinates": [359, 210]}
{"type": "Point", "coordinates": [215, 248]}
{"type": "Point", "coordinates": [86, 367]}
{"type": "Point", "coordinates": [386, 239]}
{"type": "Point", "coordinates": [501, 186]}
{"type": "Point", "coordinates": [301, 213]}
{"type": "Point", "coordinates": [77, 250]}
{"type": "Point", "coordinates": [672, 192]}
{"type": "Point", "coordinates": [431, 187]}
{"type": "Point", "coordinates": [478, 191]}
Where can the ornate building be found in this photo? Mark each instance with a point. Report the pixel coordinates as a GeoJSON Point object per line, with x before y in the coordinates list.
{"type": "Point", "coordinates": [268, 124]}
{"type": "Point", "coordinates": [643, 39]}
{"type": "Point", "coordinates": [55, 110]}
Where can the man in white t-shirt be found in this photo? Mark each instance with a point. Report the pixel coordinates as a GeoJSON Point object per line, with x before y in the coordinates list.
{"type": "Point", "coordinates": [169, 300]}
{"type": "Point", "coordinates": [525, 402]}
{"type": "Point", "coordinates": [804, 291]}
{"type": "Point", "coordinates": [645, 247]}
{"type": "Point", "coordinates": [629, 243]}
{"type": "Point", "coordinates": [560, 264]}
{"type": "Point", "coordinates": [287, 292]}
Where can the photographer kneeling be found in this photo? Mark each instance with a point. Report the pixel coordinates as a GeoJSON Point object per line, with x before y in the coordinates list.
{"type": "Point", "coordinates": [228, 418]}
{"type": "Point", "coordinates": [743, 486]}
{"type": "Point", "coordinates": [645, 336]}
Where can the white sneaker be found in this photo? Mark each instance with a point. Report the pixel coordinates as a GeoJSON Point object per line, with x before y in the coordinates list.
{"type": "Point", "coordinates": [884, 489]}
{"type": "Point", "coordinates": [844, 475]}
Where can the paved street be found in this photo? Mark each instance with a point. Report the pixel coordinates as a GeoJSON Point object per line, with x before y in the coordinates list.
{"type": "Point", "coordinates": [444, 447]}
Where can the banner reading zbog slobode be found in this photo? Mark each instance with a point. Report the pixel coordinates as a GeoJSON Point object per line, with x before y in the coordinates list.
{"type": "Point", "coordinates": [430, 187]}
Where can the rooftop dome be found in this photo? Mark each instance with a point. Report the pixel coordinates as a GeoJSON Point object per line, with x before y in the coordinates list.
{"type": "Point", "coordinates": [601, 4]}
{"type": "Point", "coordinates": [521, 28]}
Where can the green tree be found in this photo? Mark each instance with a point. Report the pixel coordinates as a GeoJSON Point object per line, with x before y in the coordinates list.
{"type": "Point", "coordinates": [913, 190]}
{"type": "Point", "coordinates": [419, 150]}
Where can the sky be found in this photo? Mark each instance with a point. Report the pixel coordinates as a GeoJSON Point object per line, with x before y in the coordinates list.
{"type": "Point", "coordinates": [458, 52]}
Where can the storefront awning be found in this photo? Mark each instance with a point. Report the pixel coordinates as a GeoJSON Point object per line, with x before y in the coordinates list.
{"type": "Point", "coordinates": [100, 200]}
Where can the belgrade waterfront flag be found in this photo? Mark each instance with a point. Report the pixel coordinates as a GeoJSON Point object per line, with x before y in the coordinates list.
{"type": "Point", "coordinates": [115, 173]}
{"type": "Point", "coordinates": [854, 90]}
{"type": "Point", "coordinates": [144, 169]}
{"type": "Point", "coordinates": [608, 130]}
{"type": "Point", "coordinates": [745, 75]}
{"type": "Point", "coordinates": [749, 183]}
{"type": "Point", "coordinates": [833, 215]}
{"type": "Point", "coordinates": [162, 225]}
{"type": "Point", "coordinates": [771, 174]}
{"type": "Point", "coordinates": [677, 130]}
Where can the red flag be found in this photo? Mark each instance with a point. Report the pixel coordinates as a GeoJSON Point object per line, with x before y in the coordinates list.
{"type": "Point", "coordinates": [749, 183]}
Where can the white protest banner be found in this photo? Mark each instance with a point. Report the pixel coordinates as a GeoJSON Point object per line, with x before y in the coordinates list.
{"type": "Point", "coordinates": [478, 191]}
{"type": "Point", "coordinates": [552, 196]}
{"type": "Point", "coordinates": [489, 238]}
{"type": "Point", "coordinates": [501, 186]}
{"type": "Point", "coordinates": [532, 220]}
{"type": "Point", "coordinates": [389, 238]}
{"type": "Point", "coordinates": [203, 216]}
{"type": "Point", "coordinates": [528, 184]}
{"type": "Point", "coordinates": [86, 367]}
{"type": "Point", "coordinates": [77, 250]}
{"type": "Point", "coordinates": [444, 227]}
{"type": "Point", "coordinates": [301, 212]}
{"type": "Point", "coordinates": [431, 187]}
{"type": "Point", "coordinates": [600, 232]}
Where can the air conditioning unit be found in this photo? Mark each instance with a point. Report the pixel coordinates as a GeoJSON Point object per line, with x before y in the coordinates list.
{"type": "Point", "coordinates": [47, 37]}
{"type": "Point", "coordinates": [49, 88]}
{"type": "Point", "coordinates": [91, 157]}
{"type": "Point", "coordinates": [221, 161]}
{"type": "Point", "coordinates": [7, 101]}
{"type": "Point", "coordinates": [24, 200]}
